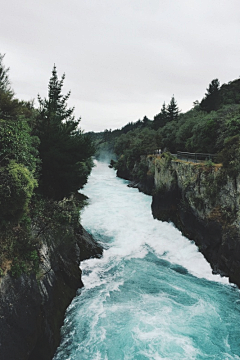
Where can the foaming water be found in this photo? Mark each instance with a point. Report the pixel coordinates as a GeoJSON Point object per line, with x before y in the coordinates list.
{"type": "Point", "coordinates": [152, 295]}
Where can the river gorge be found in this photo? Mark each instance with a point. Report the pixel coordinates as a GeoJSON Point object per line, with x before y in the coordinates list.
{"type": "Point", "coordinates": [152, 294]}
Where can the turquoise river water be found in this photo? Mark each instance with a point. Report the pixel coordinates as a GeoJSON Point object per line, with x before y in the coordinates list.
{"type": "Point", "coordinates": [152, 295]}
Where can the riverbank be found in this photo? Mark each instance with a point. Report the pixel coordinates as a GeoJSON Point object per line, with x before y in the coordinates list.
{"type": "Point", "coordinates": [32, 307]}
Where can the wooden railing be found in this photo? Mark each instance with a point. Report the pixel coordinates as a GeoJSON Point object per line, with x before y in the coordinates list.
{"type": "Point", "coordinates": [196, 157]}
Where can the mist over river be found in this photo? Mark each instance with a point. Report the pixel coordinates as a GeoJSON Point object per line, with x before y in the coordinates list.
{"type": "Point", "coordinates": [152, 295]}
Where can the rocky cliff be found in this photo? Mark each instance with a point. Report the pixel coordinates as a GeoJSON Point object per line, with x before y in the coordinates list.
{"type": "Point", "coordinates": [32, 307]}
{"type": "Point", "coordinates": [203, 202]}
{"type": "Point", "coordinates": [141, 175]}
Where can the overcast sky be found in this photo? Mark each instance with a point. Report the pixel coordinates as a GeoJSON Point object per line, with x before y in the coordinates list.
{"type": "Point", "coordinates": [122, 58]}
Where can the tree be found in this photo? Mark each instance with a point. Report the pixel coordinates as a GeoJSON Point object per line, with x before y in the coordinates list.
{"type": "Point", "coordinates": [4, 80]}
{"type": "Point", "coordinates": [64, 150]}
{"type": "Point", "coordinates": [211, 101]}
{"type": "Point", "coordinates": [168, 134]}
{"type": "Point", "coordinates": [196, 104]}
{"type": "Point", "coordinates": [172, 110]}
{"type": "Point", "coordinates": [16, 140]}
{"type": "Point", "coordinates": [230, 156]}
{"type": "Point", "coordinates": [18, 153]}
{"type": "Point", "coordinates": [8, 105]}
{"type": "Point", "coordinates": [213, 87]}
{"type": "Point", "coordinates": [161, 119]}
{"type": "Point", "coordinates": [164, 111]}
{"type": "Point", "coordinates": [146, 121]}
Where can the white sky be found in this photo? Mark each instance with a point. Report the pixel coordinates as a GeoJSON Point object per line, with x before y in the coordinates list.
{"type": "Point", "coordinates": [122, 58]}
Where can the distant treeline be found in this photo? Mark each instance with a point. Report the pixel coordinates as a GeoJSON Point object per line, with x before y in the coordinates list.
{"type": "Point", "coordinates": [209, 127]}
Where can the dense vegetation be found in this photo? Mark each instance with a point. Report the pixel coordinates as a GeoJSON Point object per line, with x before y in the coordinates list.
{"type": "Point", "coordinates": [209, 127]}
{"type": "Point", "coordinates": [44, 159]}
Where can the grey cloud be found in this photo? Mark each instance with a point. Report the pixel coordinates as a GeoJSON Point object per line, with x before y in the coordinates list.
{"type": "Point", "coordinates": [122, 58]}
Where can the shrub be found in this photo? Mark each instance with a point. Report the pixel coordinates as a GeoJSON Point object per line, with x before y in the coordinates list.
{"type": "Point", "coordinates": [230, 156]}
{"type": "Point", "coordinates": [16, 189]}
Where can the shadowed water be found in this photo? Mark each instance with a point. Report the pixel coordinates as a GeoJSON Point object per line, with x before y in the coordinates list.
{"type": "Point", "coordinates": [152, 295]}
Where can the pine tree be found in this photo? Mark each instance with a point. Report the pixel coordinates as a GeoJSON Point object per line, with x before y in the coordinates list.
{"type": "Point", "coordinates": [211, 101]}
{"type": "Point", "coordinates": [4, 79]}
{"type": "Point", "coordinates": [64, 150]}
{"type": "Point", "coordinates": [164, 112]}
{"type": "Point", "coordinates": [172, 110]}
{"type": "Point", "coordinates": [161, 119]}
{"type": "Point", "coordinates": [213, 87]}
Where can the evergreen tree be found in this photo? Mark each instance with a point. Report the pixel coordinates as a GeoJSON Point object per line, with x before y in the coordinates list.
{"type": "Point", "coordinates": [64, 150]}
{"type": "Point", "coordinates": [9, 107]}
{"type": "Point", "coordinates": [213, 87]}
{"type": "Point", "coordinates": [164, 111]}
{"type": "Point", "coordinates": [146, 121]}
{"type": "Point", "coordinates": [4, 80]}
{"type": "Point", "coordinates": [172, 110]}
{"type": "Point", "coordinates": [161, 119]}
{"type": "Point", "coordinates": [211, 101]}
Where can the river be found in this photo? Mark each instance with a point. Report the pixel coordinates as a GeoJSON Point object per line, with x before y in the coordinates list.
{"type": "Point", "coordinates": [152, 295]}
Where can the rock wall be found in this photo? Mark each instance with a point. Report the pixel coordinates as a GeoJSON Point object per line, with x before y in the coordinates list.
{"type": "Point", "coordinates": [202, 201]}
{"type": "Point", "coordinates": [204, 204]}
{"type": "Point", "coordinates": [141, 175]}
{"type": "Point", "coordinates": [32, 307]}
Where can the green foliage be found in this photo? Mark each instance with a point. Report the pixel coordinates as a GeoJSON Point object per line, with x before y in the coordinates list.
{"type": "Point", "coordinates": [194, 131]}
{"type": "Point", "coordinates": [211, 183]}
{"type": "Point", "coordinates": [217, 97]}
{"type": "Point", "coordinates": [209, 163]}
{"type": "Point", "coordinates": [204, 129]}
{"type": "Point", "coordinates": [204, 133]}
{"type": "Point", "coordinates": [16, 189]}
{"type": "Point", "coordinates": [161, 119]}
{"type": "Point", "coordinates": [58, 220]}
{"type": "Point", "coordinates": [27, 261]}
{"type": "Point", "coordinates": [230, 156]}
{"type": "Point", "coordinates": [211, 101]}
{"type": "Point", "coordinates": [184, 130]}
{"type": "Point", "coordinates": [64, 150]}
{"type": "Point", "coordinates": [17, 143]}
{"type": "Point", "coordinates": [168, 135]}
{"type": "Point", "coordinates": [172, 110]}
{"type": "Point", "coordinates": [168, 157]}
{"type": "Point", "coordinates": [167, 114]}
{"type": "Point", "coordinates": [18, 249]}
{"type": "Point", "coordinates": [16, 118]}
{"type": "Point", "coordinates": [18, 267]}
{"type": "Point", "coordinates": [4, 80]}
{"type": "Point", "coordinates": [142, 169]}
{"type": "Point", "coordinates": [230, 93]}
{"type": "Point", "coordinates": [112, 164]}
{"type": "Point", "coordinates": [121, 164]}
{"type": "Point", "coordinates": [25, 216]}
{"type": "Point", "coordinates": [134, 144]}
{"type": "Point", "coordinates": [51, 220]}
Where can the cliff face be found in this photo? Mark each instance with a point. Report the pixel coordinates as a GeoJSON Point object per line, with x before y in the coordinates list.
{"type": "Point", "coordinates": [141, 175]}
{"type": "Point", "coordinates": [204, 204]}
{"type": "Point", "coordinates": [202, 201]}
{"type": "Point", "coordinates": [32, 307]}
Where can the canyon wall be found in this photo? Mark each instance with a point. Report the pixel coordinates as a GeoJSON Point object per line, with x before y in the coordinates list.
{"type": "Point", "coordinates": [203, 202]}
{"type": "Point", "coordinates": [32, 307]}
